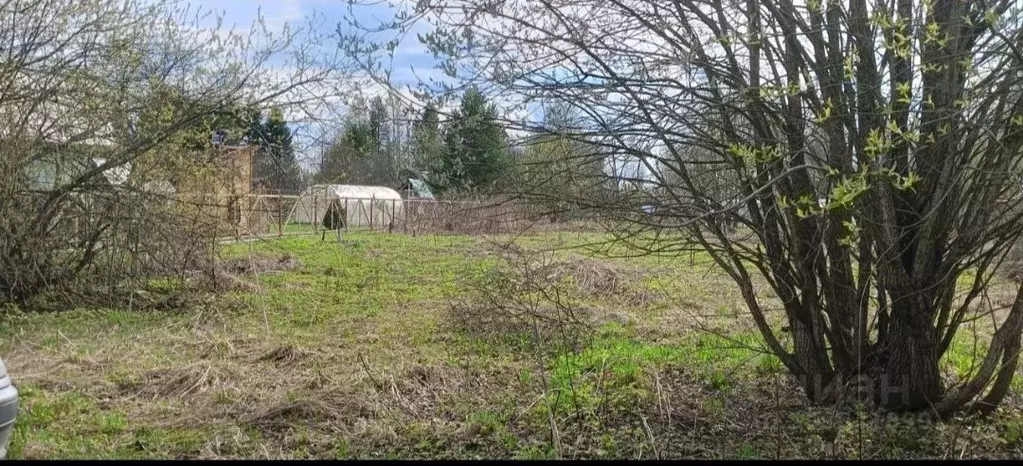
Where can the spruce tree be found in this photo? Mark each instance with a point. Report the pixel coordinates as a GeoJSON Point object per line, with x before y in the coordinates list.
{"type": "Point", "coordinates": [475, 156]}
{"type": "Point", "coordinates": [276, 168]}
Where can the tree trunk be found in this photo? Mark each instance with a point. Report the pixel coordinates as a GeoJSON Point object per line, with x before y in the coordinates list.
{"type": "Point", "coordinates": [816, 374]}
{"type": "Point", "coordinates": [911, 380]}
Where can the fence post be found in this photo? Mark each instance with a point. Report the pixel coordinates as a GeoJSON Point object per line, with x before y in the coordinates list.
{"type": "Point", "coordinates": [346, 215]}
{"type": "Point", "coordinates": [372, 200]}
{"type": "Point", "coordinates": [280, 216]}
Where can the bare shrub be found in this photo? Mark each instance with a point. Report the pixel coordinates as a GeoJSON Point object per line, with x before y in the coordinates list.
{"type": "Point", "coordinates": [102, 247]}
{"type": "Point", "coordinates": [529, 292]}
{"type": "Point", "coordinates": [467, 216]}
{"type": "Point", "coordinates": [866, 206]}
{"type": "Point", "coordinates": [97, 140]}
{"type": "Point", "coordinates": [481, 215]}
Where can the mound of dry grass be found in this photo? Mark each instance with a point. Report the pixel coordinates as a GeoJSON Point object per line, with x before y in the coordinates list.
{"type": "Point", "coordinates": [195, 378]}
{"type": "Point", "coordinates": [551, 299]}
{"type": "Point", "coordinates": [605, 281]}
{"type": "Point", "coordinates": [286, 355]}
{"type": "Point", "coordinates": [284, 415]}
{"type": "Point", "coordinates": [596, 278]}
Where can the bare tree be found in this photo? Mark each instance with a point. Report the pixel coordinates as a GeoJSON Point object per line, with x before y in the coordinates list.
{"type": "Point", "coordinates": [100, 99]}
{"type": "Point", "coordinates": [871, 149]}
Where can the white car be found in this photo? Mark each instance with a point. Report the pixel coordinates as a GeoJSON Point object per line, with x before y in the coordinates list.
{"type": "Point", "coordinates": [8, 409]}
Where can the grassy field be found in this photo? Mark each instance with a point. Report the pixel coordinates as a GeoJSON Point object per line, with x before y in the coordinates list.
{"type": "Point", "coordinates": [379, 347]}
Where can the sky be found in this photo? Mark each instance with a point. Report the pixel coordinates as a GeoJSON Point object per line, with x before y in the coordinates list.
{"type": "Point", "coordinates": [240, 15]}
{"type": "Point", "coordinates": [411, 61]}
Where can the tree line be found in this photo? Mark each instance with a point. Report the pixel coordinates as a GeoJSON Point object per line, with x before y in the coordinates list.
{"type": "Point", "coordinates": [384, 139]}
{"type": "Point", "coordinates": [465, 151]}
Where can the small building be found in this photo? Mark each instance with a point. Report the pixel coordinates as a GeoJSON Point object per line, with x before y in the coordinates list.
{"type": "Point", "coordinates": [416, 189]}
{"type": "Point", "coordinates": [219, 186]}
{"type": "Point", "coordinates": [343, 206]}
{"type": "Point", "coordinates": [225, 191]}
{"type": "Point", "coordinates": [96, 188]}
{"type": "Point", "coordinates": [59, 167]}
{"type": "Point", "coordinates": [413, 186]}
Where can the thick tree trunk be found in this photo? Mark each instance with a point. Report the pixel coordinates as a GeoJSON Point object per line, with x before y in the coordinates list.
{"type": "Point", "coordinates": [816, 375]}
{"type": "Point", "coordinates": [911, 380]}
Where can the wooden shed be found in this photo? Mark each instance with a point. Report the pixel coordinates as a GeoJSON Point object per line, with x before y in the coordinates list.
{"type": "Point", "coordinates": [223, 190]}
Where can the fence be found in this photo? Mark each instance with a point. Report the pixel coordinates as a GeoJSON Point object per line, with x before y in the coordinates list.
{"type": "Point", "coordinates": [268, 214]}
{"type": "Point", "coordinates": [465, 217]}
{"type": "Point", "coordinates": [279, 215]}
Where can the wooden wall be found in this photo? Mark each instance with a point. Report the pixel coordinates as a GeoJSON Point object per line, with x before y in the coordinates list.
{"type": "Point", "coordinates": [222, 192]}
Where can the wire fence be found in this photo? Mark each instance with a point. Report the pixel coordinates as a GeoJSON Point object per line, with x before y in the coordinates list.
{"type": "Point", "coordinates": [280, 215]}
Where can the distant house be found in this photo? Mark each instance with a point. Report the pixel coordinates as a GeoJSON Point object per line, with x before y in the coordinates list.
{"type": "Point", "coordinates": [415, 189]}
{"type": "Point", "coordinates": [58, 168]}
{"type": "Point", "coordinates": [413, 186]}
{"type": "Point", "coordinates": [222, 191]}
{"type": "Point", "coordinates": [55, 169]}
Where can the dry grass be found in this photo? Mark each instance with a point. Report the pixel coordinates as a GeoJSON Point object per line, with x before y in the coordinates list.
{"type": "Point", "coordinates": [353, 350]}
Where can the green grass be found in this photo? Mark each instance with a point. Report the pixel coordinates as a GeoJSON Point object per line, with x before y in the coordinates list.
{"type": "Point", "coordinates": [356, 354]}
{"type": "Point", "coordinates": [72, 424]}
